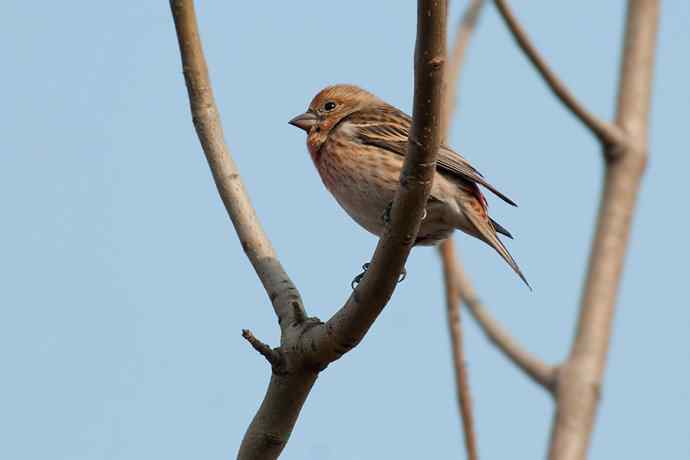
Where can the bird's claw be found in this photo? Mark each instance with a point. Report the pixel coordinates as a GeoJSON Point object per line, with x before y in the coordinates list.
{"type": "Point", "coordinates": [359, 277]}
{"type": "Point", "coordinates": [403, 275]}
{"type": "Point", "coordinates": [387, 213]}
{"type": "Point", "coordinates": [365, 267]}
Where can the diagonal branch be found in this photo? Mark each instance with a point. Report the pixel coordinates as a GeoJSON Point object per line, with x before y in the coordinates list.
{"type": "Point", "coordinates": [264, 350]}
{"type": "Point", "coordinates": [286, 300]}
{"type": "Point", "coordinates": [607, 133]}
{"type": "Point", "coordinates": [536, 369]}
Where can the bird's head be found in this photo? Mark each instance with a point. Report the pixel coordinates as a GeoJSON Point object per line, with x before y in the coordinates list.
{"type": "Point", "coordinates": [328, 108]}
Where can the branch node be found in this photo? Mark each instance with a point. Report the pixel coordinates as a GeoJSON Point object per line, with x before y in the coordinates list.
{"type": "Point", "coordinates": [605, 132]}
{"type": "Point", "coordinates": [298, 312]}
{"type": "Point", "coordinates": [437, 62]}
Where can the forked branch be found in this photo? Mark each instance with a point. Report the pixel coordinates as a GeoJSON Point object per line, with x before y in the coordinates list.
{"type": "Point", "coordinates": [307, 344]}
{"type": "Point", "coordinates": [581, 376]}
{"type": "Point", "coordinates": [576, 383]}
{"type": "Point", "coordinates": [607, 133]}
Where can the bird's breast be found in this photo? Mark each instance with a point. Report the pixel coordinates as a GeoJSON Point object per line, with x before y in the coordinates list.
{"type": "Point", "coordinates": [362, 179]}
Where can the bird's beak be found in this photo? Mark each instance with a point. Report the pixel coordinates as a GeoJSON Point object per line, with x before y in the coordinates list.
{"type": "Point", "coordinates": [304, 121]}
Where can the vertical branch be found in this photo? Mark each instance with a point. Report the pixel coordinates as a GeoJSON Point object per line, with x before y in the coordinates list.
{"type": "Point", "coordinates": [466, 27]}
{"type": "Point", "coordinates": [450, 273]}
{"type": "Point", "coordinates": [581, 375]}
{"type": "Point", "coordinates": [463, 34]}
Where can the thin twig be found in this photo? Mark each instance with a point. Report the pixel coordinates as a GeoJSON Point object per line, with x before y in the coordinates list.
{"type": "Point", "coordinates": [267, 352]}
{"type": "Point", "coordinates": [450, 268]}
{"type": "Point", "coordinates": [608, 133]}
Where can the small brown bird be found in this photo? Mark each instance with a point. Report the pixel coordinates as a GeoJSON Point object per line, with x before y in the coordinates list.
{"type": "Point", "coordinates": [358, 144]}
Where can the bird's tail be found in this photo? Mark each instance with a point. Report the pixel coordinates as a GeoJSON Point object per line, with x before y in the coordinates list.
{"type": "Point", "coordinates": [485, 230]}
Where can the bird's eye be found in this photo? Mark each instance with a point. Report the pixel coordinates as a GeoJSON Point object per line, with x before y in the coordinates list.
{"type": "Point", "coordinates": [328, 106]}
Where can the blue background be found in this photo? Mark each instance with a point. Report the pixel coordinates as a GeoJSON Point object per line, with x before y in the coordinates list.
{"type": "Point", "coordinates": [124, 288]}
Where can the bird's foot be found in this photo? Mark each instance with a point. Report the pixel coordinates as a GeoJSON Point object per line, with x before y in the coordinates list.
{"type": "Point", "coordinates": [403, 275]}
{"type": "Point", "coordinates": [359, 277]}
{"type": "Point", "coordinates": [365, 267]}
{"type": "Point", "coordinates": [387, 213]}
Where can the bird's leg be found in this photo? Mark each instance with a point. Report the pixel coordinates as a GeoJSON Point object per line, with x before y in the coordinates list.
{"type": "Point", "coordinates": [365, 267]}
{"type": "Point", "coordinates": [403, 275]}
{"type": "Point", "coordinates": [387, 213]}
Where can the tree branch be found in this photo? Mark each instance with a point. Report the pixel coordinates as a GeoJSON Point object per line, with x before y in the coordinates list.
{"type": "Point", "coordinates": [286, 300]}
{"type": "Point", "coordinates": [536, 369]}
{"type": "Point", "coordinates": [348, 326]}
{"type": "Point", "coordinates": [607, 133]}
{"type": "Point", "coordinates": [463, 34]}
{"type": "Point", "coordinates": [450, 274]}
{"type": "Point", "coordinates": [264, 350]}
{"type": "Point", "coordinates": [580, 378]}
{"type": "Point", "coordinates": [307, 344]}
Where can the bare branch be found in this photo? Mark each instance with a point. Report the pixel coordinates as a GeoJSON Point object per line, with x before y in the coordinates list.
{"type": "Point", "coordinates": [580, 379]}
{"type": "Point", "coordinates": [536, 369]}
{"type": "Point", "coordinates": [463, 34]}
{"type": "Point", "coordinates": [606, 132]}
{"type": "Point", "coordinates": [450, 273]}
{"type": "Point", "coordinates": [271, 427]}
{"type": "Point", "coordinates": [267, 352]}
{"type": "Point", "coordinates": [286, 300]}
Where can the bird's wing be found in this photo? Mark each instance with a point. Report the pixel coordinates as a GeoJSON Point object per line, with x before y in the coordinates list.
{"type": "Point", "coordinates": [388, 128]}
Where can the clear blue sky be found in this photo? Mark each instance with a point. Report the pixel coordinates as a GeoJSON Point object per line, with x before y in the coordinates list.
{"type": "Point", "coordinates": [124, 288]}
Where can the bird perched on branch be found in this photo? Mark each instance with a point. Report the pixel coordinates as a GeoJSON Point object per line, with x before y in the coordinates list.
{"type": "Point", "coordinates": [358, 144]}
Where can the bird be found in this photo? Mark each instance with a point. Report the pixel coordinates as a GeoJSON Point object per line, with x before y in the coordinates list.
{"type": "Point", "coordinates": [358, 143]}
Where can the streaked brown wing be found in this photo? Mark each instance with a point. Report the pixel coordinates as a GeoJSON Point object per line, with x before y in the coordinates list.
{"type": "Point", "coordinates": [388, 129]}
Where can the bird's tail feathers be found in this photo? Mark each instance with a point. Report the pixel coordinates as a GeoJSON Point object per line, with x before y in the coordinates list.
{"type": "Point", "coordinates": [500, 228]}
{"type": "Point", "coordinates": [485, 230]}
